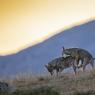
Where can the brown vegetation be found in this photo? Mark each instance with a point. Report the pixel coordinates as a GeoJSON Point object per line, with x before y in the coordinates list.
{"type": "Point", "coordinates": [66, 84]}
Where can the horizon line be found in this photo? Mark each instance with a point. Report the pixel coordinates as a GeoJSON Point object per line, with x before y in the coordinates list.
{"type": "Point", "coordinates": [48, 36]}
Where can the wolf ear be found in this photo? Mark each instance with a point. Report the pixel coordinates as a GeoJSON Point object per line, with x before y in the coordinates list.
{"type": "Point", "coordinates": [63, 48]}
{"type": "Point", "coordinates": [63, 51]}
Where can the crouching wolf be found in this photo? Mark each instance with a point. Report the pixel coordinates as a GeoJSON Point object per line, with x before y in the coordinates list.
{"type": "Point", "coordinates": [61, 63]}
{"type": "Point", "coordinates": [80, 54]}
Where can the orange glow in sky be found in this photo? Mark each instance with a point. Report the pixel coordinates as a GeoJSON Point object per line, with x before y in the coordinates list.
{"type": "Point", "coordinates": [27, 22]}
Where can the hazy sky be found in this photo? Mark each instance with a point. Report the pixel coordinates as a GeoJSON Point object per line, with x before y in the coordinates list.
{"type": "Point", "coordinates": [26, 22]}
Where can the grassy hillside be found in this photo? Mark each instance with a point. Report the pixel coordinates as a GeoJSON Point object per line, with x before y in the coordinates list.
{"type": "Point", "coordinates": [66, 84]}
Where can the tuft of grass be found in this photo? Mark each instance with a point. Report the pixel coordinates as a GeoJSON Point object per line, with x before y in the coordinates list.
{"type": "Point", "coordinates": [41, 79]}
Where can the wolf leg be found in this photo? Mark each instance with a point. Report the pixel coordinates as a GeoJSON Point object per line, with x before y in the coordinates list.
{"type": "Point", "coordinates": [74, 68]}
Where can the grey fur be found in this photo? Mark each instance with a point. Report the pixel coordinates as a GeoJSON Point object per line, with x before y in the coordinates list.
{"type": "Point", "coordinates": [61, 63]}
{"type": "Point", "coordinates": [80, 54]}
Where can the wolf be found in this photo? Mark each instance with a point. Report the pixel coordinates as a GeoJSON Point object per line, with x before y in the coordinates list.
{"type": "Point", "coordinates": [53, 65]}
{"type": "Point", "coordinates": [80, 54]}
{"type": "Point", "coordinates": [61, 63]}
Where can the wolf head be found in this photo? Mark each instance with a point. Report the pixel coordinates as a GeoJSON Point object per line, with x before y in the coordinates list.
{"type": "Point", "coordinates": [50, 69]}
{"type": "Point", "coordinates": [66, 52]}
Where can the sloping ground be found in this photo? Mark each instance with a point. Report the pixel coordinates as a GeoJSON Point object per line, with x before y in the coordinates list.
{"type": "Point", "coordinates": [66, 84]}
{"type": "Point", "coordinates": [33, 58]}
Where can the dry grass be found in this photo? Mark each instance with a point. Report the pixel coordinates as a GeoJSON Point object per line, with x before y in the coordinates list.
{"type": "Point", "coordinates": [67, 84]}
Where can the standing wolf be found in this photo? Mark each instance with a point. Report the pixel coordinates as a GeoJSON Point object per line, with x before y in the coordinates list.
{"type": "Point", "coordinates": [80, 54]}
{"type": "Point", "coordinates": [61, 63]}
